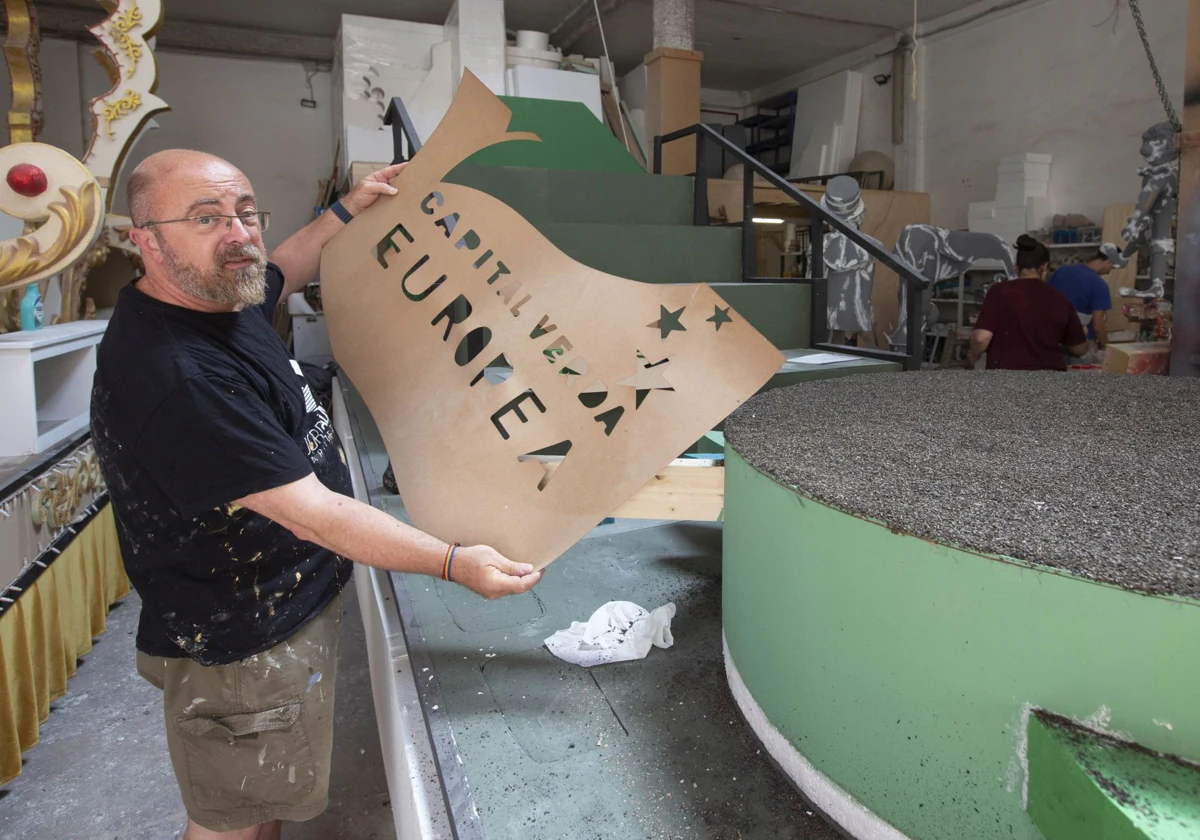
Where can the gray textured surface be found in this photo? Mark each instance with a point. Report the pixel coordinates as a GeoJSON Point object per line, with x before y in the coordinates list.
{"type": "Point", "coordinates": [649, 749]}
{"type": "Point", "coordinates": [1096, 475]}
{"type": "Point", "coordinates": [102, 771]}
{"type": "Point", "coordinates": [654, 749]}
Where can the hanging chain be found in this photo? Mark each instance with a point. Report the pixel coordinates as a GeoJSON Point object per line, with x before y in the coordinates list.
{"type": "Point", "coordinates": [1162, 89]}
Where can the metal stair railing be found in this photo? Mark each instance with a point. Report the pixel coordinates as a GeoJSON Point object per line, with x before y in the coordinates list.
{"type": "Point", "coordinates": [914, 346]}
{"type": "Point", "coordinates": [402, 129]}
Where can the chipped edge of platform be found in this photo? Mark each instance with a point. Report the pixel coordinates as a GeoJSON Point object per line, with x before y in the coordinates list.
{"type": "Point", "coordinates": [836, 804]}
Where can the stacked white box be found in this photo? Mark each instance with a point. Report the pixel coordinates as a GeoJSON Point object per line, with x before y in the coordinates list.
{"type": "Point", "coordinates": [981, 216]}
{"type": "Point", "coordinates": [1023, 198]}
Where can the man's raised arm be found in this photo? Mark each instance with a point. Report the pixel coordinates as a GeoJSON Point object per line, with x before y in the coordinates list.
{"type": "Point", "coordinates": [299, 257]}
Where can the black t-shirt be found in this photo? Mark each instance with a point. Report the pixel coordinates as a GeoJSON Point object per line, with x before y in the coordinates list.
{"type": "Point", "coordinates": [190, 412]}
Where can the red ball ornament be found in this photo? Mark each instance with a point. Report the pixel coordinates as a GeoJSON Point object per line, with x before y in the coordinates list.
{"type": "Point", "coordinates": [27, 180]}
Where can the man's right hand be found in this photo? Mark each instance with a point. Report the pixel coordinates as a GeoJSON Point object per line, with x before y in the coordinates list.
{"type": "Point", "coordinates": [489, 573]}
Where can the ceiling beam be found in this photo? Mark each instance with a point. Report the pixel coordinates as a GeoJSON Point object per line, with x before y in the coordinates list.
{"type": "Point", "coordinates": [71, 23]}
{"type": "Point", "coordinates": [575, 26]}
{"type": "Point", "coordinates": [746, 4]}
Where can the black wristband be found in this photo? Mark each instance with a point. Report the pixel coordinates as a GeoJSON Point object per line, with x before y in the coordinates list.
{"type": "Point", "coordinates": [341, 212]}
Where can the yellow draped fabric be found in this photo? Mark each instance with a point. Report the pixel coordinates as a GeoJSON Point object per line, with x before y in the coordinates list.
{"type": "Point", "coordinates": [51, 624]}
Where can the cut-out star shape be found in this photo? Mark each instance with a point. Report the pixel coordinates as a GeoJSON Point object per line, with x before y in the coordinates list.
{"type": "Point", "coordinates": [649, 377]}
{"type": "Point", "coordinates": [668, 322]}
{"type": "Point", "coordinates": [720, 316]}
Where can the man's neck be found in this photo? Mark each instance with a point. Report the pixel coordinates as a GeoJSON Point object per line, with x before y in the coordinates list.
{"type": "Point", "coordinates": [167, 292]}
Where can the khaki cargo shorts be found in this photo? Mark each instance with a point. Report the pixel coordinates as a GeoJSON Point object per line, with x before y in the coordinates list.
{"type": "Point", "coordinates": [250, 741]}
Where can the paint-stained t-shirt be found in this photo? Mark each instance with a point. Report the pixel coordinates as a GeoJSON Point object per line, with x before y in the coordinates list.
{"type": "Point", "coordinates": [1030, 323]}
{"type": "Point", "coordinates": [190, 412]}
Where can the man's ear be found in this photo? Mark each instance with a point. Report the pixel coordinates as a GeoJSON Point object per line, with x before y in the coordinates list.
{"type": "Point", "coordinates": [147, 242]}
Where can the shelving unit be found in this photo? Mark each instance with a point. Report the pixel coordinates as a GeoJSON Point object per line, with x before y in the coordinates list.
{"type": "Point", "coordinates": [46, 379]}
{"type": "Point", "coordinates": [771, 130]}
{"type": "Point", "coordinates": [960, 299]}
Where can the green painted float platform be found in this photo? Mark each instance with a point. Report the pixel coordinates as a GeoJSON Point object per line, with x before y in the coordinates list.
{"type": "Point", "coordinates": [894, 676]}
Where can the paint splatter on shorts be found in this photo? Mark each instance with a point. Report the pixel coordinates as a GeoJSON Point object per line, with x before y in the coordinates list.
{"type": "Point", "coordinates": [250, 741]}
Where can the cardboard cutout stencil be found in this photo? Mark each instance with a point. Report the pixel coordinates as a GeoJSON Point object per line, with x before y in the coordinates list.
{"type": "Point", "coordinates": [427, 288]}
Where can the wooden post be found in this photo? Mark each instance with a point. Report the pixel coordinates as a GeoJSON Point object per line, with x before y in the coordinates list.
{"type": "Point", "coordinates": [1185, 350]}
{"type": "Point", "coordinates": [673, 102]}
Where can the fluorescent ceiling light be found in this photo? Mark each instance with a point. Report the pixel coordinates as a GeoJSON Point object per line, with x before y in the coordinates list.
{"type": "Point", "coordinates": [767, 221]}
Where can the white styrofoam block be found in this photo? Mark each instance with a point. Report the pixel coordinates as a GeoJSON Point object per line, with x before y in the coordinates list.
{"type": "Point", "coordinates": [365, 144]}
{"type": "Point", "coordinates": [1037, 189]}
{"type": "Point", "coordinates": [981, 210]}
{"type": "Point", "coordinates": [1021, 179]}
{"type": "Point", "coordinates": [825, 134]}
{"type": "Point", "coordinates": [534, 58]}
{"type": "Point", "coordinates": [477, 29]}
{"type": "Point", "coordinates": [383, 48]}
{"type": "Point", "coordinates": [1027, 157]}
{"type": "Point", "coordinates": [983, 226]}
{"type": "Point", "coordinates": [565, 85]}
{"type": "Point", "coordinates": [1039, 212]}
{"type": "Point", "coordinates": [432, 100]}
{"type": "Point", "coordinates": [1028, 171]}
{"type": "Point", "coordinates": [1015, 195]}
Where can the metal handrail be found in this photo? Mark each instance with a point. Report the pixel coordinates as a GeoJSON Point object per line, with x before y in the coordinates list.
{"type": "Point", "coordinates": [402, 129]}
{"type": "Point", "coordinates": [916, 282]}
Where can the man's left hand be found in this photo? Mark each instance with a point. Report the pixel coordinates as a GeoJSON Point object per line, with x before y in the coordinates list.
{"type": "Point", "coordinates": [369, 189]}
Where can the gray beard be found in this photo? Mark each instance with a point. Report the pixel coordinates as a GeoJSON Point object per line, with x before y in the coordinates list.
{"type": "Point", "coordinates": [240, 288]}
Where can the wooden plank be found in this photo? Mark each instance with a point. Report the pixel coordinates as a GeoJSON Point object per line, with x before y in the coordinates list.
{"type": "Point", "coordinates": [689, 489]}
{"type": "Point", "coordinates": [1115, 218]}
{"type": "Point", "coordinates": [621, 130]}
{"type": "Point", "coordinates": [361, 169]}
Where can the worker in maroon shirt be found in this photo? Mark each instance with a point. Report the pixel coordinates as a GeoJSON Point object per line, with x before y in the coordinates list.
{"type": "Point", "coordinates": [1027, 324]}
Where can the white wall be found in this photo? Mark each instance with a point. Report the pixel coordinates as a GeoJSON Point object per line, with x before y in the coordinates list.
{"type": "Point", "coordinates": [1051, 77]}
{"type": "Point", "coordinates": [1048, 76]}
{"type": "Point", "coordinates": [248, 112]}
{"type": "Point", "coordinates": [875, 123]}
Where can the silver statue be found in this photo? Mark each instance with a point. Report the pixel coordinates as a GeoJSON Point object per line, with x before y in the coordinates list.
{"type": "Point", "coordinates": [1150, 224]}
{"type": "Point", "coordinates": [850, 269]}
{"type": "Point", "coordinates": [940, 254]}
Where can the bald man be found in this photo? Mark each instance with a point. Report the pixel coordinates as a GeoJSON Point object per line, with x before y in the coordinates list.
{"type": "Point", "coordinates": [231, 496]}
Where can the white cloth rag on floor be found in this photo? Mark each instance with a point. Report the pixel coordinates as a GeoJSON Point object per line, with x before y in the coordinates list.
{"type": "Point", "coordinates": [620, 631]}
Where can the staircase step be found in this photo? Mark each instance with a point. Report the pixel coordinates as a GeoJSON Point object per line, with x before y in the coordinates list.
{"type": "Point", "coordinates": [780, 311]}
{"type": "Point", "coordinates": [652, 253]}
{"type": "Point", "coordinates": [565, 195]}
{"type": "Point", "coordinates": [1087, 786]}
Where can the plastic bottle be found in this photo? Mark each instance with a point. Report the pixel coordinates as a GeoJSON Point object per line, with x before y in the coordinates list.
{"type": "Point", "coordinates": [32, 308]}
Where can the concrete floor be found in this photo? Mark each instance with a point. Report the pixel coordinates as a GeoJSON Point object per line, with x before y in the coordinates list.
{"type": "Point", "coordinates": [102, 771]}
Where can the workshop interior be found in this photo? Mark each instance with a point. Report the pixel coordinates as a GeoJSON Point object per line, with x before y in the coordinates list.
{"type": "Point", "coordinates": [834, 362]}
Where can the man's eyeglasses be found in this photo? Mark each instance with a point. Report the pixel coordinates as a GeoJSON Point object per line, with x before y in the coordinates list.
{"type": "Point", "coordinates": [212, 223]}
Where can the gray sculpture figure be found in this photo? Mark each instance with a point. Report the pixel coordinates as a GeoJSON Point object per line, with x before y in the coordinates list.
{"type": "Point", "coordinates": [1150, 224]}
{"type": "Point", "coordinates": [850, 269]}
{"type": "Point", "coordinates": [940, 254]}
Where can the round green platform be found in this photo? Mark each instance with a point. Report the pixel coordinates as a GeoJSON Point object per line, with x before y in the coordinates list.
{"type": "Point", "coordinates": [892, 676]}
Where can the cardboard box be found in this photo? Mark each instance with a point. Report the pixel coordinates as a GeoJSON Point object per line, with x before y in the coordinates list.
{"type": "Point", "coordinates": [1146, 358]}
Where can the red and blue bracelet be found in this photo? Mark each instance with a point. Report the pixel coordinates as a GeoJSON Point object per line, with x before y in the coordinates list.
{"type": "Point", "coordinates": [449, 559]}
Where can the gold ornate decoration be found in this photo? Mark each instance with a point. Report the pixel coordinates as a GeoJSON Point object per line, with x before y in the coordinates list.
{"type": "Point", "coordinates": [56, 498]}
{"type": "Point", "coordinates": [122, 24]}
{"type": "Point", "coordinates": [118, 108]}
{"type": "Point", "coordinates": [21, 53]}
{"type": "Point", "coordinates": [68, 205]}
{"type": "Point", "coordinates": [119, 115]}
